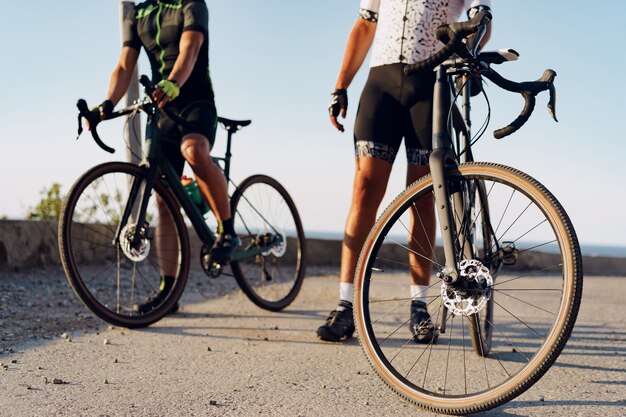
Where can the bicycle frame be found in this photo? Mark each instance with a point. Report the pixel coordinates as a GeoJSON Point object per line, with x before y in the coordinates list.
{"type": "Point", "coordinates": [156, 165]}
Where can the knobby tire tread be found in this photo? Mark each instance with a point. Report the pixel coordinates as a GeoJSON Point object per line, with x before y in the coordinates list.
{"type": "Point", "coordinates": [572, 306]}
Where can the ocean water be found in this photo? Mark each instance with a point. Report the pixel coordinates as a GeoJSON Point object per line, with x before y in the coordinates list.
{"type": "Point", "coordinates": [598, 250]}
{"type": "Point", "coordinates": [587, 250]}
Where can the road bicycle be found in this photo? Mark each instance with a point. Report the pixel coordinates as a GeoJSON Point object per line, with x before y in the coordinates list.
{"type": "Point", "coordinates": [509, 274]}
{"type": "Point", "coordinates": [121, 226]}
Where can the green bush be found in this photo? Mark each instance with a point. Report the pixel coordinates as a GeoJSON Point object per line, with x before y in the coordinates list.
{"type": "Point", "coordinates": [49, 207]}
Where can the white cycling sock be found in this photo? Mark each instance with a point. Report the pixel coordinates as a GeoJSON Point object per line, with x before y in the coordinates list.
{"type": "Point", "coordinates": [419, 292]}
{"type": "Point", "coordinates": [346, 292]}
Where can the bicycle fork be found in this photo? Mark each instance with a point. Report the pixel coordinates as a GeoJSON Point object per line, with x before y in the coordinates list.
{"type": "Point", "coordinates": [441, 160]}
{"type": "Point", "coordinates": [135, 210]}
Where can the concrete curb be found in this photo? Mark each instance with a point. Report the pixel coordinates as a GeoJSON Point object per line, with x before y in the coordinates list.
{"type": "Point", "coordinates": [29, 244]}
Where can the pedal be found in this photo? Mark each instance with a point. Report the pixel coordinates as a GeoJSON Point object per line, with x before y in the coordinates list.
{"type": "Point", "coordinates": [215, 270]}
{"type": "Point", "coordinates": [211, 268]}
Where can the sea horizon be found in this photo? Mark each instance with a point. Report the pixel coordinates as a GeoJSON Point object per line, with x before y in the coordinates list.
{"type": "Point", "coordinates": [594, 250]}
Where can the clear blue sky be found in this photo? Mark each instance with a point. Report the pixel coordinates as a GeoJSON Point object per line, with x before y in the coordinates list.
{"type": "Point", "coordinates": [276, 62]}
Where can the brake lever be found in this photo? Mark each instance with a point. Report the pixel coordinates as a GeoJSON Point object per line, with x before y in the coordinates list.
{"type": "Point", "coordinates": [552, 102]}
{"type": "Point", "coordinates": [548, 76]}
{"type": "Point", "coordinates": [80, 125]}
{"type": "Point", "coordinates": [147, 85]}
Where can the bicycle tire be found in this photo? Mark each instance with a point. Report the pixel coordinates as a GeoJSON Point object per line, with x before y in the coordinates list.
{"type": "Point", "coordinates": [527, 337]}
{"type": "Point", "coordinates": [106, 274]}
{"type": "Point", "coordinates": [262, 209]}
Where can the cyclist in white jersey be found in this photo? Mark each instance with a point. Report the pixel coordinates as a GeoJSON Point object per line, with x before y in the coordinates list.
{"type": "Point", "coordinates": [393, 107]}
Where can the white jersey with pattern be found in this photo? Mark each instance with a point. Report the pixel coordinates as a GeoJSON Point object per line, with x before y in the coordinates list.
{"type": "Point", "coordinates": [405, 31]}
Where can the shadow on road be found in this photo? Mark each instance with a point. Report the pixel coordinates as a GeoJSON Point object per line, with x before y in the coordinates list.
{"type": "Point", "coordinates": [38, 305]}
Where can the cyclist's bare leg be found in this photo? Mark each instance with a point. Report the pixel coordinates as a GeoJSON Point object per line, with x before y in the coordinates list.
{"type": "Point", "coordinates": [370, 183]}
{"type": "Point", "coordinates": [166, 243]}
{"type": "Point", "coordinates": [422, 227]}
{"type": "Point", "coordinates": [211, 181]}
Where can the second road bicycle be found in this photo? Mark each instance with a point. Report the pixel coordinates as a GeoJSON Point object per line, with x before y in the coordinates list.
{"type": "Point", "coordinates": [122, 226]}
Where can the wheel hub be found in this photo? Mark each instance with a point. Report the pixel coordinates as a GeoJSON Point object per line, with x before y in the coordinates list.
{"type": "Point", "coordinates": [279, 249]}
{"type": "Point", "coordinates": [472, 292]}
{"type": "Point", "coordinates": [136, 251]}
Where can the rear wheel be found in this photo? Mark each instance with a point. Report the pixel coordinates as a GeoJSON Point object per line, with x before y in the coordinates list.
{"type": "Point", "coordinates": [113, 264]}
{"type": "Point", "coordinates": [532, 250]}
{"type": "Point", "coordinates": [265, 215]}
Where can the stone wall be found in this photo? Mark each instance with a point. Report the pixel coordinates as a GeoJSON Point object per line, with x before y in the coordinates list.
{"type": "Point", "coordinates": [28, 244]}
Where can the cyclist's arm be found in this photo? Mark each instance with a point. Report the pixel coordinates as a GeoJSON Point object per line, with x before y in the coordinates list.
{"type": "Point", "coordinates": [122, 74]}
{"type": "Point", "coordinates": [359, 42]}
{"type": "Point", "coordinates": [190, 43]}
{"type": "Point", "coordinates": [195, 31]}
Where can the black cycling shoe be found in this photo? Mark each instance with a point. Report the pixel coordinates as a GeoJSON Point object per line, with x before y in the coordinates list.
{"type": "Point", "coordinates": [421, 325]}
{"type": "Point", "coordinates": [339, 324]}
{"type": "Point", "coordinates": [224, 247]}
{"type": "Point", "coordinates": [167, 283]}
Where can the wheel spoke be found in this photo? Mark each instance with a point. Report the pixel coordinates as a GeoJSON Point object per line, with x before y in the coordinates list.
{"type": "Point", "coordinates": [510, 334]}
{"type": "Point", "coordinates": [111, 278]}
{"type": "Point", "coordinates": [412, 251]}
{"type": "Point", "coordinates": [262, 209]}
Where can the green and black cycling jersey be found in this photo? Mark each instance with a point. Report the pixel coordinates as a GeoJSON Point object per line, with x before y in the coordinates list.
{"type": "Point", "coordinates": [157, 26]}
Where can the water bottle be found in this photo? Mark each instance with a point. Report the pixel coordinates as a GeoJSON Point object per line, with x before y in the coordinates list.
{"type": "Point", "coordinates": [191, 186]}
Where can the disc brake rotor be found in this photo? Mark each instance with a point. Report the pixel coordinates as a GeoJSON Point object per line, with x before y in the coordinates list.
{"type": "Point", "coordinates": [138, 252]}
{"type": "Point", "coordinates": [473, 298]}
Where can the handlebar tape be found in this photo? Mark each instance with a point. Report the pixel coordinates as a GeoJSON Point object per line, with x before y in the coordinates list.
{"type": "Point", "coordinates": [514, 126]}
{"type": "Point", "coordinates": [528, 90]}
{"type": "Point", "coordinates": [94, 118]}
{"type": "Point", "coordinates": [452, 36]}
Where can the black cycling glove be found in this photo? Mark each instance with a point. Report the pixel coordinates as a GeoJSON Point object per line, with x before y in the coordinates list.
{"type": "Point", "coordinates": [99, 112]}
{"type": "Point", "coordinates": [338, 101]}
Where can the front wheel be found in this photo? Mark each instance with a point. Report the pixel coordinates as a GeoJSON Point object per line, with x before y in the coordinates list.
{"type": "Point", "coordinates": [484, 246]}
{"type": "Point", "coordinates": [265, 216]}
{"type": "Point", "coordinates": [113, 263]}
{"type": "Point", "coordinates": [518, 333]}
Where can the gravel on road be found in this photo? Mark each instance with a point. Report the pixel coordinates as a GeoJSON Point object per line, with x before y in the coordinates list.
{"type": "Point", "coordinates": [221, 355]}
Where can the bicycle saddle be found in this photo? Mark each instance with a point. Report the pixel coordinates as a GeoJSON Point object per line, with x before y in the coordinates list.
{"type": "Point", "coordinates": [233, 125]}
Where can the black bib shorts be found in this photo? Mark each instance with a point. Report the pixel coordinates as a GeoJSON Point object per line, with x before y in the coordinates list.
{"type": "Point", "coordinates": [394, 106]}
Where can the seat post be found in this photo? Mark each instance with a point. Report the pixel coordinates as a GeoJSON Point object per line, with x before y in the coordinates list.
{"type": "Point", "coordinates": [228, 154]}
{"type": "Point", "coordinates": [231, 127]}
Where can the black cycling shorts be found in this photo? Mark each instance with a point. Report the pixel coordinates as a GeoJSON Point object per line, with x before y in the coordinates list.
{"type": "Point", "coordinates": [395, 106]}
{"type": "Point", "coordinates": [201, 115]}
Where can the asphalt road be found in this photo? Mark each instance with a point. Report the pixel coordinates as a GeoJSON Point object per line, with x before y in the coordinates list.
{"type": "Point", "coordinates": [221, 355]}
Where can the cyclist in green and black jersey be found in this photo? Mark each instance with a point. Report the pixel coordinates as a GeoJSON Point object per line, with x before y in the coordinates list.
{"type": "Point", "coordinates": [175, 35]}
